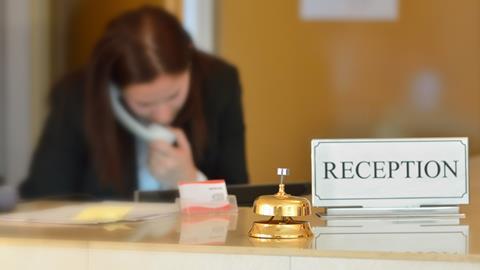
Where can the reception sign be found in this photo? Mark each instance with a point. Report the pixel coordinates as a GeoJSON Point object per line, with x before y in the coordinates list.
{"type": "Point", "coordinates": [390, 172]}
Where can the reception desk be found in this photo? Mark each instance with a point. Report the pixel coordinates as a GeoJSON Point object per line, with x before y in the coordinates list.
{"type": "Point", "coordinates": [220, 242]}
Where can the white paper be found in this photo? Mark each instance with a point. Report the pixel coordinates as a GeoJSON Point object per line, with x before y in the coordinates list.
{"type": "Point", "coordinates": [66, 214]}
{"type": "Point", "coordinates": [214, 191]}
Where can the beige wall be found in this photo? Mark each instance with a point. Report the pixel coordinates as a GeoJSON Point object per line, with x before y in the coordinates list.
{"type": "Point", "coordinates": [306, 80]}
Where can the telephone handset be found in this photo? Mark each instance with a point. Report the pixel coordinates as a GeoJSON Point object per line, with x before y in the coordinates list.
{"type": "Point", "coordinates": [149, 133]}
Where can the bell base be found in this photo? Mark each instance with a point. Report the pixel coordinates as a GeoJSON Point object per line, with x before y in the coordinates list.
{"type": "Point", "coordinates": [304, 242]}
{"type": "Point", "coordinates": [279, 229]}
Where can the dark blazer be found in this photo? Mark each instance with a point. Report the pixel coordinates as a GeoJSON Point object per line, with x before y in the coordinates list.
{"type": "Point", "coordinates": [62, 164]}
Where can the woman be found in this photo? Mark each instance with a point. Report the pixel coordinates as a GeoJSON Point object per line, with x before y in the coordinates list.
{"type": "Point", "coordinates": [144, 63]}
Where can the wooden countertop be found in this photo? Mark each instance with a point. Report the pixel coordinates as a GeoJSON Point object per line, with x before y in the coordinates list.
{"type": "Point", "coordinates": [226, 233]}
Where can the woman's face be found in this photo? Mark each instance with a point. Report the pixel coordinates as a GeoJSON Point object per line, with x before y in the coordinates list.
{"type": "Point", "coordinates": [160, 100]}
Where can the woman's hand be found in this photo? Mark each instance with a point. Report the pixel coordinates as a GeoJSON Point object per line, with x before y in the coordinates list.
{"type": "Point", "coordinates": [172, 163]}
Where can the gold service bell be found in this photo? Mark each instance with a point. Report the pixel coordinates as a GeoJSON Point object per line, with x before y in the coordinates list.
{"type": "Point", "coordinates": [282, 207]}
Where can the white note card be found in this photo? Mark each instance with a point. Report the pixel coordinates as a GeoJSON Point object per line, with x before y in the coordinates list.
{"type": "Point", "coordinates": [212, 191]}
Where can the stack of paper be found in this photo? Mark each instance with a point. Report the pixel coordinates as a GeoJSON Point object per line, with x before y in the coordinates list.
{"type": "Point", "coordinates": [94, 213]}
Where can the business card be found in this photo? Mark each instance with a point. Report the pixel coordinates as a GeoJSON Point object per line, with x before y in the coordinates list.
{"type": "Point", "coordinates": [206, 194]}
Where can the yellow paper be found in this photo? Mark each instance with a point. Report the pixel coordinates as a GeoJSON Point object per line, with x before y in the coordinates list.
{"type": "Point", "coordinates": [107, 213]}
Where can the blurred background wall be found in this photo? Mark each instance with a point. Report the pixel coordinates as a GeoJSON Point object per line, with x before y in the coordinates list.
{"type": "Point", "coordinates": [415, 76]}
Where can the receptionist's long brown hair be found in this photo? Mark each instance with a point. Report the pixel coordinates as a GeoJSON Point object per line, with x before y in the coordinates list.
{"type": "Point", "coordinates": [137, 47]}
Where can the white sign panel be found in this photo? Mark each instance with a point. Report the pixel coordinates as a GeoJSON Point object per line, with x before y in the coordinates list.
{"type": "Point", "coordinates": [390, 172]}
{"type": "Point", "coordinates": [385, 10]}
